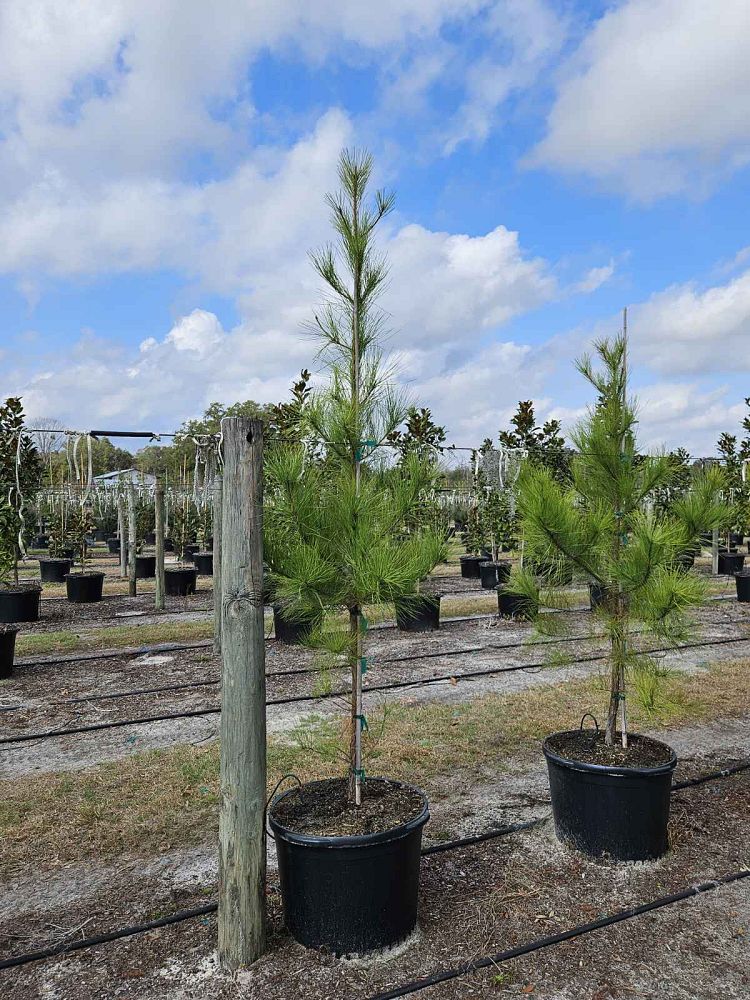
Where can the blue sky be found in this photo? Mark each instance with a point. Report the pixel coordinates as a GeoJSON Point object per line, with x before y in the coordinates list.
{"type": "Point", "coordinates": [163, 175]}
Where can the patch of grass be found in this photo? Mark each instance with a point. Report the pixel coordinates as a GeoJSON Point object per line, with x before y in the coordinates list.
{"type": "Point", "coordinates": [165, 799]}
{"type": "Point", "coordinates": [67, 641]}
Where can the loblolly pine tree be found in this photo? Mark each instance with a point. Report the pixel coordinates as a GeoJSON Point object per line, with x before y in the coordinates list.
{"type": "Point", "coordinates": [342, 530]}
{"type": "Point", "coordinates": [602, 525]}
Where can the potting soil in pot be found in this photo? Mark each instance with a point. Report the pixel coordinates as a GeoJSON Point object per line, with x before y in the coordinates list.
{"type": "Point", "coordinates": [322, 808]}
{"type": "Point", "coordinates": [589, 747]}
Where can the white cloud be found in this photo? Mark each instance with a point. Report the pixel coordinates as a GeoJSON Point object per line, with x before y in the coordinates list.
{"type": "Point", "coordinates": [657, 98]}
{"type": "Point", "coordinates": [200, 332]}
{"type": "Point", "coordinates": [525, 36]}
{"type": "Point", "coordinates": [594, 278]}
{"type": "Point", "coordinates": [683, 330]}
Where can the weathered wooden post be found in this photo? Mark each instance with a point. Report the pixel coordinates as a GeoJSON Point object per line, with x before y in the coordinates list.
{"type": "Point", "coordinates": [217, 495]}
{"type": "Point", "coordinates": [122, 531]}
{"type": "Point", "coordinates": [159, 599]}
{"type": "Point", "coordinates": [242, 848]}
{"type": "Point", "coordinates": [132, 534]}
{"type": "Point", "coordinates": [715, 552]}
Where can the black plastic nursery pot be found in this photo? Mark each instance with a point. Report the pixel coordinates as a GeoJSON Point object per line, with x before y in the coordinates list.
{"type": "Point", "coordinates": [41, 542]}
{"type": "Point", "coordinates": [492, 573]}
{"type": "Point", "coordinates": [84, 588]}
{"type": "Point", "coordinates": [597, 595]}
{"type": "Point", "coordinates": [113, 544]}
{"type": "Point", "coordinates": [350, 895]}
{"type": "Point", "coordinates": [204, 563]}
{"type": "Point", "coordinates": [292, 631]}
{"type": "Point", "coordinates": [736, 538]}
{"type": "Point", "coordinates": [168, 545]}
{"type": "Point", "coordinates": [8, 635]}
{"type": "Point", "coordinates": [514, 605]}
{"type": "Point", "coordinates": [54, 570]}
{"type": "Point", "coordinates": [179, 581]}
{"type": "Point", "coordinates": [100, 535]}
{"type": "Point", "coordinates": [742, 582]}
{"type": "Point", "coordinates": [145, 567]}
{"type": "Point", "coordinates": [150, 538]}
{"type": "Point", "coordinates": [622, 812]}
{"type": "Point", "coordinates": [420, 614]}
{"type": "Point", "coordinates": [20, 604]}
{"type": "Point", "coordinates": [470, 566]}
{"type": "Point", "coordinates": [189, 551]}
{"type": "Point", "coordinates": [730, 562]}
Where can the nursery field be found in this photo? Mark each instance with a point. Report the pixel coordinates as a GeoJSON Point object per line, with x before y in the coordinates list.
{"type": "Point", "coordinates": [109, 773]}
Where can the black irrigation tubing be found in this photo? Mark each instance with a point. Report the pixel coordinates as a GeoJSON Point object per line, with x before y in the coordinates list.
{"type": "Point", "coordinates": [298, 699]}
{"type": "Point", "coordinates": [415, 986]}
{"type": "Point", "coordinates": [439, 848]}
{"type": "Point", "coordinates": [123, 932]}
{"type": "Point", "coordinates": [297, 671]}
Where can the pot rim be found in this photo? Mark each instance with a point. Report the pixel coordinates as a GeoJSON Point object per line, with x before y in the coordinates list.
{"type": "Point", "coordinates": [33, 586]}
{"type": "Point", "coordinates": [620, 771]}
{"type": "Point", "coordinates": [9, 628]}
{"type": "Point", "coordinates": [85, 573]}
{"type": "Point", "coordinates": [358, 840]}
{"type": "Point", "coordinates": [179, 569]}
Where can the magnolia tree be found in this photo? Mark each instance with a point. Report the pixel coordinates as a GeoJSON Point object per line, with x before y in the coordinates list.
{"type": "Point", "coordinates": [20, 480]}
{"type": "Point", "coordinates": [342, 530]}
{"type": "Point", "coordinates": [604, 525]}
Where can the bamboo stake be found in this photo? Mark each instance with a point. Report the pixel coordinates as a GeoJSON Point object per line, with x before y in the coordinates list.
{"type": "Point", "coordinates": [132, 531]}
{"type": "Point", "coordinates": [217, 498]}
{"type": "Point", "coordinates": [159, 599]}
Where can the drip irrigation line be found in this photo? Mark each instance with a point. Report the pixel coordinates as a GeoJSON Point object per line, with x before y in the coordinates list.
{"type": "Point", "coordinates": [440, 848]}
{"type": "Point", "coordinates": [298, 671]}
{"type": "Point", "coordinates": [545, 942]}
{"type": "Point", "coordinates": [123, 932]}
{"type": "Point", "coordinates": [725, 772]}
{"type": "Point", "coordinates": [395, 685]}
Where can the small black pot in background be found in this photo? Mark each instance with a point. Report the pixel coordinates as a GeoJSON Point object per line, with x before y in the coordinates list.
{"type": "Point", "coordinates": [189, 551]}
{"type": "Point", "coordinates": [20, 604]}
{"type": "Point", "coordinates": [8, 635]}
{"type": "Point", "coordinates": [54, 570]}
{"type": "Point", "coordinates": [730, 562]}
{"type": "Point", "coordinates": [470, 566]}
{"type": "Point", "coordinates": [150, 538]}
{"type": "Point", "coordinates": [84, 588]}
{"type": "Point", "coordinates": [179, 581]}
{"type": "Point", "coordinates": [420, 614]}
{"type": "Point", "coordinates": [350, 895]}
{"type": "Point", "coordinates": [168, 545]}
{"type": "Point", "coordinates": [100, 535]}
{"type": "Point", "coordinates": [736, 538]}
{"type": "Point", "coordinates": [622, 812]}
{"type": "Point", "coordinates": [492, 573]}
{"type": "Point", "coordinates": [204, 563]}
{"type": "Point", "coordinates": [742, 582]}
{"type": "Point", "coordinates": [145, 567]}
{"type": "Point", "coordinates": [113, 544]}
{"type": "Point", "coordinates": [289, 630]}
{"type": "Point", "coordinates": [514, 605]}
{"type": "Point", "coordinates": [41, 542]}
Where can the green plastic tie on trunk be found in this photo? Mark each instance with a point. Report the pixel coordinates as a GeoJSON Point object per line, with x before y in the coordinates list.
{"type": "Point", "coordinates": [364, 624]}
{"type": "Point", "coordinates": [362, 722]}
{"type": "Point", "coordinates": [363, 664]}
{"type": "Point", "coordinates": [359, 771]}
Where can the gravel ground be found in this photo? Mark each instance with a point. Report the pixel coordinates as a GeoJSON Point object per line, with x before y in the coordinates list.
{"type": "Point", "coordinates": [475, 901]}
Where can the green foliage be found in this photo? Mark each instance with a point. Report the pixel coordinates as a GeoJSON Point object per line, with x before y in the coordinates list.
{"type": "Point", "coordinates": [601, 525]}
{"type": "Point", "coordinates": [20, 481]}
{"type": "Point", "coordinates": [736, 492]}
{"type": "Point", "coordinates": [342, 529]}
{"type": "Point", "coordinates": [545, 445]}
{"type": "Point", "coordinates": [80, 526]}
{"type": "Point", "coordinates": [59, 529]}
{"type": "Point", "coordinates": [421, 435]}
{"type": "Point", "coordinates": [185, 523]}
